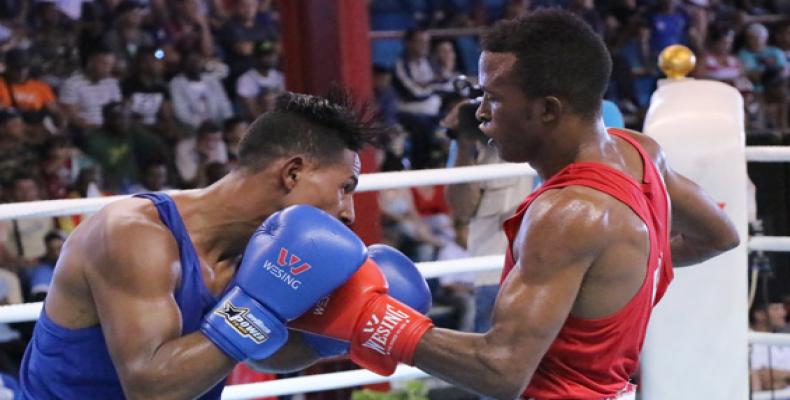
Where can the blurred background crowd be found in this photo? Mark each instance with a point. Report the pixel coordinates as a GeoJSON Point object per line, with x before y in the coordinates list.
{"type": "Point", "coordinates": [101, 97]}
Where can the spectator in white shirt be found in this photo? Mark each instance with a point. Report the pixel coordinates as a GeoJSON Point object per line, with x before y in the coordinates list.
{"type": "Point", "coordinates": [197, 96]}
{"type": "Point", "coordinates": [264, 80]}
{"type": "Point", "coordinates": [85, 94]}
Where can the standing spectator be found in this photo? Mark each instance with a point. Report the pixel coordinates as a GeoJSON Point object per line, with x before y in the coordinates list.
{"type": "Point", "coordinates": [26, 236]}
{"type": "Point", "coordinates": [479, 209]}
{"type": "Point", "coordinates": [85, 94]}
{"type": "Point", "coordinates": [33, 98]}
{"type": "Point", "coordinates": [240, 34]}
{"type": "Point", "coordinates": [126, 37]}
{"type": "Point", "coordinates": [39, 276]}
{"type": "Point", "coordinates": [194, 154]}
{"type": "Point", "coordinates": [264, 79]}
{"type": "Point", "coordinates": [120, 147]}
{"type": "Point", "coordinates": [198, 96]}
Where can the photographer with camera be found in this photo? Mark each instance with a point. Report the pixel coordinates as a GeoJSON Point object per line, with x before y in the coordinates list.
{"type": "Point", "coordinates": [480, 208]}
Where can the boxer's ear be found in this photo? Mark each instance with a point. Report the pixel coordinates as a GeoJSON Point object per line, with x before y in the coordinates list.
{"type": "Point", "coordinates": [552, 109]}
{"type": "Point", "coordinates": [291, 172]}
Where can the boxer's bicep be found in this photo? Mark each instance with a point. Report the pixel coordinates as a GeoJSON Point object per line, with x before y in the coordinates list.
{"type": "Point", "coordinates": [561, 239]}
{"type": "Point", "coordinates": [132, 288]}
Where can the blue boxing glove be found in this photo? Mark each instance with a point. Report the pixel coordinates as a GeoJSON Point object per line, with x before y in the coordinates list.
{"type": "Point", "coordinates": [295, 258]}
{"type": "Point", "coordinates": [405, 284]}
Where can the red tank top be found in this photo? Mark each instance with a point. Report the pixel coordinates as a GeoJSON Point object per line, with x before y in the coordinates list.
{"type": "Point", "coordinates": [594, 358]}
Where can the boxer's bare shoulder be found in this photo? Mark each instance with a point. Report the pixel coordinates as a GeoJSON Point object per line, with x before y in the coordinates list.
{"type": "Point", "coordinates": [123, 244]}
{"type": "Point", "coordinates": [700, 228]}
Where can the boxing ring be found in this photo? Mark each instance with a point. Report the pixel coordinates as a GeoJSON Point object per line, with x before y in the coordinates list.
{"type": "Point", "coordinates": [375, 182]}
{"type": "Point", "coordinates": [703, 358]}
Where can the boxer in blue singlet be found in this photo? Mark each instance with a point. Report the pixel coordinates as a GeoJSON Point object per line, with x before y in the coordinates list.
{"type": "Point", "coordinates": [129, 312]}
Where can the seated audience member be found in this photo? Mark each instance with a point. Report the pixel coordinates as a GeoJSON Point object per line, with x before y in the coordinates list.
{"type": "Point", "coordinates": [194, 154]}
{"type": "Point", "coordinates": [26, 235]}
{"type": "Point", "coordinates": [121, 147]}
{"type": "Point", "coordinates": [770, 365]}
{"type": "Point", "coordinates": [39, 276]}
{"type": "Point", "coordinates": [235, 128]}
{"type": "Point", "coordinates": [263, 79]}
{"type": "Point", "coordinates": [145, 89]}
{"type": "Point", "coordinates": [84, 95]}
{"type": "Point", "coordinates": [718, 62]}
{"type": "Point", "coordinates": [198, 96]}
{"type": "Point", "coordinates": [33, 98]}
{"type": "Point", "coordinates": [154, 178]}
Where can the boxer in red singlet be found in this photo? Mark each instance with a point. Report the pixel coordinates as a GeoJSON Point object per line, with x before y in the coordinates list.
{"type": "Point", "coordinates": [591, 251]}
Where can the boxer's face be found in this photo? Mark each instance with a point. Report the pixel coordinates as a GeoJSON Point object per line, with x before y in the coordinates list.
{"type": "Point", "coordinates": [330, 186]}
{"type": "Point", "coordinates": [508, 117]}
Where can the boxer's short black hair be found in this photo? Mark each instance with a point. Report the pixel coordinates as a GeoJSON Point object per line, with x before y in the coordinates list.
{"type": "Point", "coordinates": [320, 127]}
{"type": "Point", "coordinates": [557, 54]}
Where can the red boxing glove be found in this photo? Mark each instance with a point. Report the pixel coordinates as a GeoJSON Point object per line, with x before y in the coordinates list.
{"type": "Point", "coordinates": [381, 329]}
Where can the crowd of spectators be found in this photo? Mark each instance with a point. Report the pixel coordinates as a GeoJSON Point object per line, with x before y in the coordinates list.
{"type": "Point", "coordinates": [101, 97]}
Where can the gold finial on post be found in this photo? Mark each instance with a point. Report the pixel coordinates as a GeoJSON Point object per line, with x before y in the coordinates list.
{"type": "Point", "coordinates": [676, 61]}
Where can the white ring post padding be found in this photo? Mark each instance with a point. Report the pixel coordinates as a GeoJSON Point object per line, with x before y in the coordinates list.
{"type": "Point", "coordinates": [317, 383]}
{"type": "Point", "coordinates": [768, 153]}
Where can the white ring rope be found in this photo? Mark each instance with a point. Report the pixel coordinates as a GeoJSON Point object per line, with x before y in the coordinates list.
{"type": "Point", "coordinates": [367, 183]}
{"type": "Point", "coordinates": [317, 383]}
{"type": "Point", "coordinates": [768, 153]}
{"type": "Point", "coordinates": [432, 269]}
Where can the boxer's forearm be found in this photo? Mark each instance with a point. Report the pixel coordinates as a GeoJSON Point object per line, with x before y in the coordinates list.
{"type": "Point", "coordinates": [686, 251]}
{"type": "Point", "coordinates": [470, 361]}
{"type": "Point", "coordinates": [182, 368]}
{"type": "Point", "coordinates": [296, 355]}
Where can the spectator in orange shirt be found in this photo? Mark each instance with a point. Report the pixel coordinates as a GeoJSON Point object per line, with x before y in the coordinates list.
{"type": "Point", "coordinates": [32, 97]}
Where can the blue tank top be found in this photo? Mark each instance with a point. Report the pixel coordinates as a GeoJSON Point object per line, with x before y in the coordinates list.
{"type": "Point", "coordinates": [62, 363]}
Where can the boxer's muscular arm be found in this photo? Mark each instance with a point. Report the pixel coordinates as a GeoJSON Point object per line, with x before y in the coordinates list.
{"type": "Point", "coordinates": [561, 235]}
{"type": "Point", "coordinates": [700, 228]}
{"type": "Point", "coordinates": [132, 285]}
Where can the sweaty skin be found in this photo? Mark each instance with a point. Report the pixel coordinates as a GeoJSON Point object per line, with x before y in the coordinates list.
{"type": "Point", "coordinates": [119, 269]}
{"type": "Point", "coordinates": [574, 245]}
